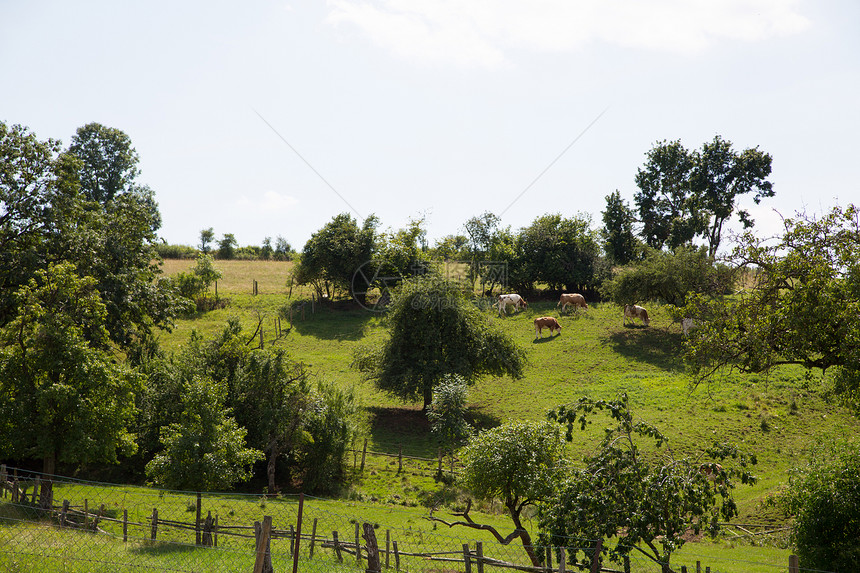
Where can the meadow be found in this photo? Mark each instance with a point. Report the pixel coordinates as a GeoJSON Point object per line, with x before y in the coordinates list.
{"type": "Point", "coordinates": [779, 418]}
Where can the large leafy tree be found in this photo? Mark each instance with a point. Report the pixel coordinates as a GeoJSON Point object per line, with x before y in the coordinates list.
{"type": "Point", "coordinates": [646, 500]}
{"type": "Point", "coordinates": [801, 306]}
{"type": "Point", "coordinates": [108, 161]}
{"type": "Point", "coordinates": [333, 255]}
{"type": "Point", "coordinates": [561, 252]}
{"type": "Point", "coordinates": [684, 194]}
{"type": "Point", "coordinates": [619, 241]}
{"type": "Point", "coordinates": [519, 463]}
{"type": "Point", "coordinates": [721, 176]}
{"type": "Point", "coordinates": [435, 330]}
{"type": "Point", "coordinates": [70, 400]}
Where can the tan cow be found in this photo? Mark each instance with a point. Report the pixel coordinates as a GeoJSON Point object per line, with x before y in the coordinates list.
{"type": "Point", "coordinates": [576, 299]}
{"type": "Point", "coordinates": [634, 311]}
{"type": "Point", "coordinates": [546, 322]}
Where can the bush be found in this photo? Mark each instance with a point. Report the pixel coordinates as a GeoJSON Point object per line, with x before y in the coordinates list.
{"type": "Point", "coordinates": [824, 497]}
{"type": "Point", "coordinates": [668, 277]}
{"type": "Point", "coordinates": [166, 251]}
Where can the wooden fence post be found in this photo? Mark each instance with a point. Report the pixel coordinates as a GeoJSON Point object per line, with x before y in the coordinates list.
{"type": "Point", "coordinates": [215, 532]}
{"type": "Point", "coordinates": [64, 512]}
{"type": "Point", "coordinates": [549, 558]}
{"type": "Point", "coordinates": [372, 549]}
{"type": "Point", "coordinates": [396, 556]}
{"type": "Point", "coordinates": [299, 519]}
{"type": "Point", "coordinates": [357, 546]}
{"type": "Point", "coordinates": [206, 538]}
{"type": "Point", "coordinates": [466, 560]}
{"type": "Point", "coordinates": [336, 546]}
{"type": "Point", "coordinates": [793, 564]}
{"type": "Point", "coordinates": [125, 526]}
{"type": "Point", "coordinates": [86, 514]}
{"type": "Point", "coordinates": [363, 455]}
{"type": "Point", "coordinates": [263, 533]}
{"type": "Point", "coordinates": [400, 459]}
{"type": "Point", "coordinates": [3, 480]}
{"type": "Point", "coordinates": [562, 560]}
{"type": "Point", "coordinates": [154, 523]}
{"type": "Point", "coordinates": [313, 539]}
{"type": "Point", "coordinates": [595, 560]}
{"type": "Point", "coordinates": [479, 556]}
{"type": "Point", "coordinates": [387, 546]}
{"type": "Point", "coordinates": [627, 565]}
{"type": "Point", "coordinates": [197, 532]}
{"type": "Point", "coordinates": [698, 567]}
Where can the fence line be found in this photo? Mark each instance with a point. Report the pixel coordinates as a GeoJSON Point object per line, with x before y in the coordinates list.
{"type": "Point", "coordinates": [337, 541]}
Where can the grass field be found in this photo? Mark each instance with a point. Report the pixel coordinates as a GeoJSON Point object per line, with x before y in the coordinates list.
{"type": "Point", "coordinates": [779, 418]}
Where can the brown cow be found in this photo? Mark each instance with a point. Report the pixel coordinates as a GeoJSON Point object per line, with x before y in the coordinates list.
{"type": "Point", "coordinates": [633, 311]}
{"type": "Point", "coordinates": [576, 299]}
{"type": "Point", "coordinates": [546, 322]}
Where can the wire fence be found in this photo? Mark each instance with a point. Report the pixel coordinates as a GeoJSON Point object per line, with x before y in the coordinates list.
{"type": "Point", "coordinates": [51, 523]}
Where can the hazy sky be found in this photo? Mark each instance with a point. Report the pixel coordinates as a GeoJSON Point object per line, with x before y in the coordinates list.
{"type": "Point", "coordinates": [267, 118]}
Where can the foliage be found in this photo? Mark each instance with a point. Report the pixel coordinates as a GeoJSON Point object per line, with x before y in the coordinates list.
{"type": "Point", "coordinates": [283, 250]}
{"type": "Point", "coordinates": [446, 413]}
{"type": "Point", "coordinates": [434, 330]}
{"type": "Point", "coordinates": [619, 243]}
{"type": "Point", "coordinates": [648, 501]}
{"type": "Point", "coordinates": [227, 246]}
{"type": "Point", "coordinates": [520, 463]}
{"type": "Point", "coordinates": [559, 252]}
{"type": "Point", "coordinates": [108, 165]}
{"type": "Point", "coordinates": [669, 277]}
{"type": "Point", "coordinates": [204, 450]}
{"type": "Point", "coordinates": [451, 248]}
{"type": "Point", "coordinates": [168, 251]}
{"type": "Point", "coordinates": [801, 309]}
{"type": "Point", "coordinates": [685, 194]}
{"type": "Point", "coordinates": [207, 237]}
{"type": "Point", "coordinates": [824, 497]}
{"type": "Point", "coordinates": [333, 255]}
{"type": "Point", "coordinates": [69, 399]}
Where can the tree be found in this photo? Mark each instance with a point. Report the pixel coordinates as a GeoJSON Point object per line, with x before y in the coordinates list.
{"type": "Point", "coordinates": [207, 237]}
{"type": "Point", "coordinates": [108, 161]}
{"type": "Point", "coordinates": [649, 502]}
{"type": "Point", "coordinates": [800, 308]}
{"type": "Point", "coordinates": [824, 498]}
{"type": "Point", "coordinates": [669, 277]}
{"type": "Point", "coordinates": [446, 413]}
{"type": "Point", "coordinates": [683, 194]}
{"type": "Point", "coordinates": [266, 250]}
{"type": "Point", "coordinates": [451, 248]}
{"type": "Point", "coordinates": [227, 247]}
{"type": "Point", "coordinates": [433, 331]}
{"type": "Point", "coordinates": [334, 254]}
{"type": "Point", "coordinates": [721, 175]}
{"type": "Point", "coordinates": [560, 252]}
{"type": "Point", "coordinates": [520, 463]}
{"type": "Point", "coordinates": [667, 209]}
{"type": "Point", "coordinates": [619, 242]}
{"type": "Point", "coordinates": [283, 250]}
{"type": "Point", "coordinates": [70, 400]}
{"type": "Point", "coordinates": [204, 449]}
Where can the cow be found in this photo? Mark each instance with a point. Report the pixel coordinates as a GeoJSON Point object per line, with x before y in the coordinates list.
{"type": "Point", "coordinates": [576, 299]}
{"type": "Point", "coordinates": [546, 322]}
{"type": "Point", "coordinates": [514, 299]}
{"type": "Point", "coordinates": [711, 471]}
{"type": "Point", "coordinates": [688, 324]}
{"type": "Point", "coordinates": [634, 311]}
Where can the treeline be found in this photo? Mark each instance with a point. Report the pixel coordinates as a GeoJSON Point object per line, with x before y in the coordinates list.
{"type": "Point", "coordinates": [227, 248]}
{"type": "Point", "coordinates": [83, 381]}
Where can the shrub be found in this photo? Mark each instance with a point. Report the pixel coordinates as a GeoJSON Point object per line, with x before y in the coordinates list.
{"type": "Point", "coordinates": [166, 251]}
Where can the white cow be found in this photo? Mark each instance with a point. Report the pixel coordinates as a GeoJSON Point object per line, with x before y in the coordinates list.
{"type": "Point", "coordinates": [511, 299]}
{"type": "Point", "coordinates": [688, 324]}
{"type": "Point", "coordinates": [634, 311]}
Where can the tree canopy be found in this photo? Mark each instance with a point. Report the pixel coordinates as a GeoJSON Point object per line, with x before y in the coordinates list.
{"type": "Point", "coordinates": [435, 330]}
{"type": "Point", "coordinates": [800, 307]}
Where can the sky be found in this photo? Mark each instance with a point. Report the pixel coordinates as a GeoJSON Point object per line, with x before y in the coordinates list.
{"type": "Point", "coordinates": [267, 118]}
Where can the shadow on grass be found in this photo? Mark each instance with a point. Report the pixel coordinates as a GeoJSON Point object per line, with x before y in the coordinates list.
{"type": "Point", "coordinates": [542, 340]}
{"type": "Point", "coordinates": [392, 427]}
{"type": "Point", "coordinates": [163, 548]}
{"type": "Point", "coordinates": [655, 346]}
{"type": "Point", "coordinates": [339, 320]}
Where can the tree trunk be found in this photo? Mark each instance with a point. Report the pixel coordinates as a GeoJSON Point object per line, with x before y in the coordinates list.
{"type": "Point", "coordinates": [526, 538]}
{"type": "Point", "coordinates": [274, 451]}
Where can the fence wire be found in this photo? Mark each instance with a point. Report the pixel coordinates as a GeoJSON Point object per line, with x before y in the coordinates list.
{"type": "Point", "coordinates": [50, 523]}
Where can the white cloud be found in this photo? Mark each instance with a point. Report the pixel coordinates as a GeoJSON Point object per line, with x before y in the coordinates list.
{"type": "Point", "coordinates": [481, 32]}
{"type": "Point", "coordinates": [271, 203]}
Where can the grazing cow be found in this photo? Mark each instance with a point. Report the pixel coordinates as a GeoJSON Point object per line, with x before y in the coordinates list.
{"type": "Point", "coordinates": [688, 324]}
{"type": "Point", "coordinates": [514, 299]}
{"type": "Point", "coordinates": [546, 322]}
{"type": "Point", "coordinates": [576, 299]}
{"type": "Point", "coordinates": [634, 312]}
{"type": "Point", "coordinates": [711, 471]}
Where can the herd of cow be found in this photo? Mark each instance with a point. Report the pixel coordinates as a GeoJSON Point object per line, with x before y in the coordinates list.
{"type": "Point", "coordinates": [576, 300]}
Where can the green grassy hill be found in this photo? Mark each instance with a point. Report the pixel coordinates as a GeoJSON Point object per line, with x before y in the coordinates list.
{"type": "Point", "coordinates": [779, 418]}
